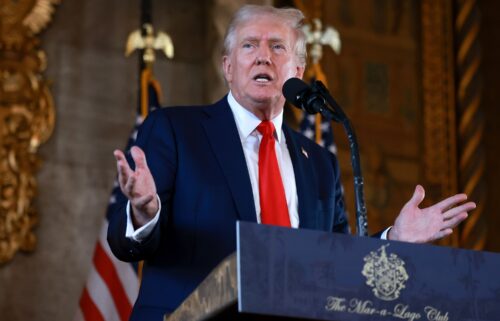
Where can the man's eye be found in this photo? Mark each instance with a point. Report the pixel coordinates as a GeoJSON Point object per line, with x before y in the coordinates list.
{"type": "Point", "coordinates": [247, 45]}
{"type": "Point", "coordinates": [278, 46]}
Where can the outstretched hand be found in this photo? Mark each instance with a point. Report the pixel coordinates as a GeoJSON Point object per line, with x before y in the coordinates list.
{"type": "Point", "coordinates": [138, 186]}
{"type": "Point", "coordinates": [428, 224]}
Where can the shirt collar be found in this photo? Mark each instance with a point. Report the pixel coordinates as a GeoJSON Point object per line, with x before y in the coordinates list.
{"type": "Point", "coordinates": [247, 122]}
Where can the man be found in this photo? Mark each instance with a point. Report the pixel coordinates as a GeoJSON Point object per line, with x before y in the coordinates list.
{"type": "Point", "coordinates": [209, 166]}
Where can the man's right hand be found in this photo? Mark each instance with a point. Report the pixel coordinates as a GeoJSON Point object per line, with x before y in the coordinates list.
{"type": "Point", "coordinates": [138, 186]}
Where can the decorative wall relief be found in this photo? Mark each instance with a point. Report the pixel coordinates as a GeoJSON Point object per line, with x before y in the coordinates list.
{"type": "Point", "coordinates": [471, 122]}
{"type": "Point", "coordinates": [440, 166]}
{"type": "Point", "coordinates": [26, 119]}
{"type": "Point", "coordinates": [395, 80]}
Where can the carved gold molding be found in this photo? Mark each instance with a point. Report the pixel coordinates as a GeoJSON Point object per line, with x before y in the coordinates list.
{"type": "Point", "coordinates": [26, 118]}
{"type": "Point", "coordinates": [439, 117]}
{"type": "Point", "coordinates": [440, 165]}
{"type": "Point", "coordinates": [472, 160]}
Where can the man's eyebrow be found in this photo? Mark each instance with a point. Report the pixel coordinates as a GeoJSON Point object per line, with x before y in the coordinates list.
{"type": "Point", "coordinates": [250, 38]}
{"type": "Point", "coordinates": [257, 39]}
{"type": "Point", "coordinates": [277, 39]}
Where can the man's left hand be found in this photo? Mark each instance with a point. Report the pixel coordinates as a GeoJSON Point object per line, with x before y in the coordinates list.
{"type": "Point", "coordinates": [428, 224]}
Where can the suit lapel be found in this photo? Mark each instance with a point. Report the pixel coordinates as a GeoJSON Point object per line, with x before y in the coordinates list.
{"type": "Point", "coordinates": [223, 136]}
{"type": "Point", "coordinates": [302, 167]}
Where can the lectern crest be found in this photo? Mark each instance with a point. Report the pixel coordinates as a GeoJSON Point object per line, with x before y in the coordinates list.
{"type": "Point", "coordinates": [386, 274]}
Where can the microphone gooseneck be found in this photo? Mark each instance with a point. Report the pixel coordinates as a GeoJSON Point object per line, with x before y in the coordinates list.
{"type": "Point", "coordinates": [317, 99]}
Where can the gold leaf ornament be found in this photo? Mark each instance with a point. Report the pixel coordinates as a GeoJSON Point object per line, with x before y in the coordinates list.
{"type": "Point", "coordinates": [27, 117]}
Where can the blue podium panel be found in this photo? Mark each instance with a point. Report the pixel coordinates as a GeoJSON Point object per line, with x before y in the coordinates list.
{"type": "Point", "coordinates": [323, 276]}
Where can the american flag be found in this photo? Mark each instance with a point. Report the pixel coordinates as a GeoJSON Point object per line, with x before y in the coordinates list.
{"type": "Point", "coordinates": [112, 285]}
{"type": "Point", "coordinates": [308, 129]}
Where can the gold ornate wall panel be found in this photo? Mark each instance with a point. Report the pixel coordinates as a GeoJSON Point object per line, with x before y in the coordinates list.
{"type": "Point", "coordinates": [26, 119]}
{"type": "Point", "coordinates": [439, 112]}
{"type": "Point", "coordinates": [395, 80]}
{"type": "Point", "coordinates": [471, 124]}
{"type": "Point", "coordinates": [438, 92]}
{"type": "Point", "coordinates": [376, 80]}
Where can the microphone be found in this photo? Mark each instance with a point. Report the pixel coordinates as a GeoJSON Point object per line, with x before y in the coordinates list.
{"type": "Point", "coordinates": [304, 97]}
{"type": "Point", "coordinates": [317, 99]}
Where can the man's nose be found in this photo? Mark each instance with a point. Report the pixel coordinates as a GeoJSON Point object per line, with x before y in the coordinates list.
{"type": "Point", "coordinates": [263, 56]}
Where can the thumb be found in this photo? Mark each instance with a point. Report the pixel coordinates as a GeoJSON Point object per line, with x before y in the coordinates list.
{"type": "Point", "coordinates": [139, 158]}
{"type": "Point", "coordinates": [418, 196]}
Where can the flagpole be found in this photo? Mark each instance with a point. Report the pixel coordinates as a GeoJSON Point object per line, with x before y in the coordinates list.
{"type": "Point", "coordinates": [146, 9]}
{"type": "Point", "coordinates": [146, 18]}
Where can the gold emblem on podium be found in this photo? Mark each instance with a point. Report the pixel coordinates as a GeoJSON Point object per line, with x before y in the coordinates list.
{"type": "Point", "coordinates": [385, 274]}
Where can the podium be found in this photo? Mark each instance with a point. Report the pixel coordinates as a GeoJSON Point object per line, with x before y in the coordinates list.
{"type": "Point", "coordinates": [288, 274]}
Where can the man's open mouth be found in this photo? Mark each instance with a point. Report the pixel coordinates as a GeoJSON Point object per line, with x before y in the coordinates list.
{"type": "Point", "coordinates": [262, 78]}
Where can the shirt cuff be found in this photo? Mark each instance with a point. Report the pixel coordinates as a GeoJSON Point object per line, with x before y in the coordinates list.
{"type": "Point", "coordinates": [383, 236]}
{"type": "Point", "coordinates": [144, 231]}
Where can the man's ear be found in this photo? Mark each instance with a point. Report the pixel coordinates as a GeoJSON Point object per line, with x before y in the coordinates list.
{"type": "Point", "coordinates": [300, 71]}
{"type": "Point", "coordinates": [226, 67]}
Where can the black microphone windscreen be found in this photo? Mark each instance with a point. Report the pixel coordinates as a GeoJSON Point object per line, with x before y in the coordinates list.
{"type": "Point", "coordinates": [292, 88]}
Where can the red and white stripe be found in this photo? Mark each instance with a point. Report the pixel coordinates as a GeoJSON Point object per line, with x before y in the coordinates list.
{"type": "Point", "coordinates": [111, 288]}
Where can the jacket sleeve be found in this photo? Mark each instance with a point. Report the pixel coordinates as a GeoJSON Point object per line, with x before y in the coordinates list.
{"type": "Point", "coordinates": [156, 139]}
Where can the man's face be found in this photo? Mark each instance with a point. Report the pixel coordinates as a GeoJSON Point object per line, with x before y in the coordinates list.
{"type": "Point", "coordinates": [261, 60]}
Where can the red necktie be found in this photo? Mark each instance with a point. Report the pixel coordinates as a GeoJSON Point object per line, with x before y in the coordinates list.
{"type": "Point", "coordinates": [273, 206]}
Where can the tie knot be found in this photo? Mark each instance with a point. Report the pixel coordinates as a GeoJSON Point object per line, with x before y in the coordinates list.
{"type": "Point", "coordinates": [266, 128]}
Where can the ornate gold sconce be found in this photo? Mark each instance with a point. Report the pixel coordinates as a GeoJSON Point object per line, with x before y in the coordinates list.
{"type": "Point", "coordinates": [26, 118]}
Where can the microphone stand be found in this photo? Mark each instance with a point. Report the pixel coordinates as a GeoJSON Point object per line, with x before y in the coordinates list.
{"type": "Point", "coordinates": [331, 110]}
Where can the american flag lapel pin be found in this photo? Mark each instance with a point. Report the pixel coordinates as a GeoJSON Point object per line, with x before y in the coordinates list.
{"type": "Point", "coordinates": [304, 152]}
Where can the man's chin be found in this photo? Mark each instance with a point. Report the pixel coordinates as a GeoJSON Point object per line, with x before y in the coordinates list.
{"type": "Point", "coordinates": [265, 96]}
{"type": "Point", "coordinates": [265, 100]}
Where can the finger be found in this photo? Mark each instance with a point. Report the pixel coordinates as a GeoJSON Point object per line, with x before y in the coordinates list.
{"type": "Point", "coordinates": [139, 158]}
{"type": "Point", "coordinates": [118, 154]}
{"type": "Point", "coordinates": [442, 233]}
{"type": "Point", "coordinates": [457, 219]}
{"type": "Point", "coordinates": [122, 167]}
{"type": "Point", "coordinates": [418, 196]}
{"type": "Point", "coordinates": [129, 186]}
{"type": "Point", "coordinates": [469, 206]}
{"type": "Point", "coordinates": [451, 201]}
{"type": "Point", "coordinates": [123, 175]}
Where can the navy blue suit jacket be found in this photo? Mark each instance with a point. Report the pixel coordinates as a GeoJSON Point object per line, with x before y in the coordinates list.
{"type": "Point", "coordinates": [197, 161]}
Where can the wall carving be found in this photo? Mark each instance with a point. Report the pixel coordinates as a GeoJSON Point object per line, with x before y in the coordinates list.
{"type": "Point", "coordinates": [375, 79]}
{"type": "Point", "coordinates": [471, 124]}
{"type": "Point", "coordinates": [395, 80]}
{"type": "Point", "coordinates": [440, 166]}
{"type": "Point", "coordinates": [26, 119]}
{"type": "Point", "coordinates": [439, 114]}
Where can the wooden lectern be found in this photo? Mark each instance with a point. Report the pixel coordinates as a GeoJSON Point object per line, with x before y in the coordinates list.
{"type": "Point", "coordinates": [287, 274]}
